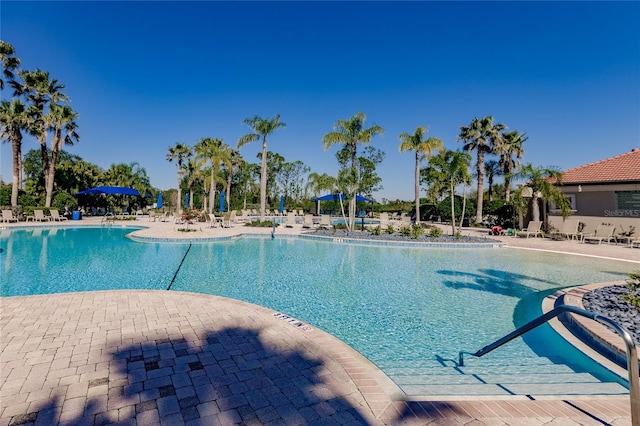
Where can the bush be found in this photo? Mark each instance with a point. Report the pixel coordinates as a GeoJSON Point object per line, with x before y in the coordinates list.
{"type": "Point", "coordinates": [416, 231]}
{"type": "Point", "coordinates": [435, 232]}
{"type": "Point", "coordinates": [405, 231]}
{"type": "Point", "coordinates": [633, 283]}
{"type": "Point", "coordinates": [339, 226]}
{"type": "Point", "coordinates": [259, 224]}
{"type": "Point", "coordinates": [390, 229]}
{"type": "Point", "coordinates": [375, 230]}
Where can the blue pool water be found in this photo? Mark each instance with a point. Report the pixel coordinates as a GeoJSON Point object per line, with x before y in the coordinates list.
{"type": "Point", "coordinates": [390, 303]}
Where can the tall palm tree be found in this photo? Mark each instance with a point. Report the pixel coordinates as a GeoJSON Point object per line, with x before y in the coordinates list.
{"type": "Point", "coordinates": [9, 62]}
{"type": "Point", "coordinates": [349, 133]}
{"type": "Point", "coordinates": [481, 135]}
{"type": "Point", "coordinates": [180, 153]}
{"type": "Point", "coordinates": [39, 89]}
{"type": "Point", "coordinates": [61, 119]}
{"type": "Point", "coordinates": [193, 169]}
{"type": "Point", "coordinates": [217, 152]}
{"type": "Point", "coordinates": [423, 148]}
{"type": "Point", "coordinates": [235, 161]}
{"type": "Point", "coordinates": [510, 146]}
{"type": "Point", "coordinates": [262, 128]}
{"type": "Point", "coordinates": [14, 119]}
{"type": "Point", "coordinates": [540, 182]}
{"type": "Point", "coordinates": [451, 168]}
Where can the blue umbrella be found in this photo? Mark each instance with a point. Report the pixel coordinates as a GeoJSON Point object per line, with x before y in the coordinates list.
{"type": "Point", "coordinates": [186, 200]}
{"type": "Point", "coordinates": [159, 203]}
{"type": "Point", "coordinates": [281, 203]}
{"type": "Point", "coordinates": [221, 201]}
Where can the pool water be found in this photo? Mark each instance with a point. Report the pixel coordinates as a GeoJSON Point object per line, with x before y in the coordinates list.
{"type": "Point", "coordinates": [390, 303]}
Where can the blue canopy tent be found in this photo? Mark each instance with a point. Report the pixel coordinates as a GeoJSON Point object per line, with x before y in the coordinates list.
{"type": "Point", "coordinates": [110, 190]}
{"type": "Point", "coordinates": [338, 197]}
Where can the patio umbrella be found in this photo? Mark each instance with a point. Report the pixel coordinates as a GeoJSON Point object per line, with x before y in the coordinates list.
{"type": "Point", "coordinates": [186, 200]}
{"type": "Point", "coordinates": [159, 203]}
{"type": "Point", "coordinates": [222, 201]}
{"type": "Point", "coordinates": [281, 203]}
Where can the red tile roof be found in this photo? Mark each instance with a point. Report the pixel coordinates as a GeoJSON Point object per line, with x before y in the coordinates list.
{"type": "Point", "coordinates": [621, 168]}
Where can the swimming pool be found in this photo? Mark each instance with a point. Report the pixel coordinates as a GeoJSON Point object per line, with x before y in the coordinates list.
{"type": "Point", "coordinates": [395, 305]}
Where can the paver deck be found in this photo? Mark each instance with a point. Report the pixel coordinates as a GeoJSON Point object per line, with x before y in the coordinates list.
{"type": "Point", "coordinates": [163, 357]}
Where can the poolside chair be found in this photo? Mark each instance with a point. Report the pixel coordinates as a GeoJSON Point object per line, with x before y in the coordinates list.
{"type": "Point", "coordinates": [55, 216]}
{"type": "Point", "coordinates": [213, 220]}
{"type": "Point", "coordinates": [308, 221]}
{"type": "Point", "coordinates": [325, 221]}
{"type": "Point", "coordinates": [602, 233]}
{"type": "Point", "coordinates": [291, 220]}
{"type": "Point", "coordinates": [568, 230]}
{"type": "Point", "coordinates": [7, 216]}
{"type": "Point", "coordinates": [233, 218]}
{"type": "Point", "coordinates": [384, 219]}
{"type": "Point", "coordinates": [38, 216]}
{"type": "Point", "coordinates": [533, 228]}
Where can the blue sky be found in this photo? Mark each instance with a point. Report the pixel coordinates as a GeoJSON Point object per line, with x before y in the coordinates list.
{"type": "Point", "coordinates": [145, 75]}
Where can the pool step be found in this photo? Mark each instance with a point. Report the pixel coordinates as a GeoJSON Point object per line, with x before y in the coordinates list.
{"type": "Point", "coordinates": [528, 376]}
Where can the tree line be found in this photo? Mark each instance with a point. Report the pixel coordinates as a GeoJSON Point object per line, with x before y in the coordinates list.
{"type": "Point", "coordinates": [41, 109]}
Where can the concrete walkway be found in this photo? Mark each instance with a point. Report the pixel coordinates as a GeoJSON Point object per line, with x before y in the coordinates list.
{"type": "Point", "coordinates": [153, 357]}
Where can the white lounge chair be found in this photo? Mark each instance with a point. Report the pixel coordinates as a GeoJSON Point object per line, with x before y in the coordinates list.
{"type": "Point", "coordinates": [291, 220]}
{"type": "Point", "coordinates": [55, 215]}
{"type": "Point", "coordinates": [38, 216]}
{"type": "Point", "coordinates": [569, 230]}
{"type": "Point", "coordinates": [308, 221]}
{"type": "Point", "coordinates": [603, 233]}
{"type": "Point", "coordinates": [325, 221]}
{"type": "Point", "coordinates": [213, 220]}
{"type": "Point", "coordinates": [533, 228]}
{"type": "Point", "coordinates": [7, 216]}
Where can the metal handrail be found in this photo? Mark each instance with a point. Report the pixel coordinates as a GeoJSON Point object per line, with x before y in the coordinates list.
{"type": "Point", "coordinates": [632, 356]}
{"type": "Point", "coordinates": [105, 218]}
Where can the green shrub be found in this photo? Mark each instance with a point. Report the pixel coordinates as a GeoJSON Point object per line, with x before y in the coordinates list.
{"type": "Point", "coordinates": [633, 283]}
{"type": "Point", "coordinates": [259, 224]}
{"type": "Point", "coordinates": [435, 232]}
{"type": "Point", "coordinates": [416, 231]}
{"type": "Point", "coordinates": [375, 230]}
{"type": "Point", "coordinates": [339, 226]}
{"type": "Point", "coordinates": [390, 229]}
{"type": "Point", "coordinates": [405, 231]}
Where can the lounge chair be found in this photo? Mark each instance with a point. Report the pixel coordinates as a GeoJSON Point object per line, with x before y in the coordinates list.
{"type": "Point", "coordinates": [291, 220]}
{"type": "Point", "coordinates": [55, 216]}
{"type": "Point", "coordinates": [533, 228]}
{"type": "Point", "coordinates": [7, 216]}
{"type": "Point", "coordinates": [602, 233]}
{"type": "Point", "coordinates": [384, 219]}
{"type": "Point", "coordinates": [325, 221]}
{"type": "Point", "coordinates": [569, 230]}
{"type": "Point", "coordinates": [38, 216]}
{"type": "Point", "coordinates": [308, 221]}
{"type": "Point", "coordinates": [233, 218]}
{"type": "Point", "coordinates": [213, 220]}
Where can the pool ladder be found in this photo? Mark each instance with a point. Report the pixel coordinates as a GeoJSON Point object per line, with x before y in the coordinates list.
{"type": "Point", "coordinates": [632, 355]}
{"type": "Point", "coordinates": [104, 221]}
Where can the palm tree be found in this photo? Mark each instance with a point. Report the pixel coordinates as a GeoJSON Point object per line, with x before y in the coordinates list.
{"type": "Point", "coordinates": [13, 119]}
{"type": "Point", "coordinates": [193, 173]}
{"type": "Point", "coordinates": [61, 120]}
{"type": "Point", "coordinates": [510, 145]}
{"type": "Point", "coordinates": [9, 62]}
{"type": "Point", "coordinates": [262, 128]}
{"type": "Point", "coordinates": [180, 153]}
{"type": "Point", "coordinates": [423, 149]}
{"type": "Point", "coordinates": [235, 161]}
{"type": "Point", "coordinates": [451, 168]}
{"type": "Point", "coordinates": [491, 169]}
{"type": "Point", "coordinates": [39, 90]}
{"type": "Point", "coordinates": [481, 135]}
{"type": "Point", "coordinates": [217, 152]}
{"type": "Point", "coordinates": [349, 133]}
{"type": "Point", "coordinates": [540, 182]}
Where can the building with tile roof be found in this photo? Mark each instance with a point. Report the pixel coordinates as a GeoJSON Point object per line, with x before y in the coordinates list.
{"type": "Point", "coordinates": [605, 191]}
